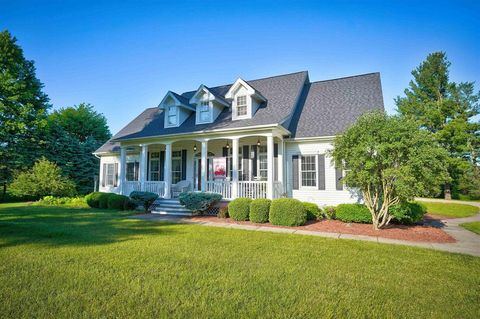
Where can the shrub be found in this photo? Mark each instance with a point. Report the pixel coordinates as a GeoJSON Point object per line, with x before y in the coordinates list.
{"type": "Point", "coordinates": [239, 209]}
{"type": "Point", "coordinates": [329, 212]}
{"type": "Point", "coordinates": [145, 199]}
{"type": "Point", "coordinates": [313, 211]}
{"type": "Point", "coordinates": [76, 202]}
{"type": "Point", "coordinates": [287, 212]}
{"type": "Point", "coordinates": [223, 212]}
{"type": "Point", "coordinates": [92, 199]}
{"type": "Point", "coordinates": [259, 210]}
{"type": "Point", "coordinates": [408, 213]}
{"type": "Point", "coordinates": [103, 200]}
{"type": "Point", "coordinates": [355, 213]}
{"type": "Point", "coordinates": [198, 202]}
{"type": "Point", "coordinates": [130, 204]}
{"type": "Point", "coordinates": [43, 179]}
{"type": "Point", "coordinates": [117, 202]}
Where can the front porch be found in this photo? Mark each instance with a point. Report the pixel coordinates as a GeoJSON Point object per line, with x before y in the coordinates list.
{"type": "Point", "coordinates": [237, 166]}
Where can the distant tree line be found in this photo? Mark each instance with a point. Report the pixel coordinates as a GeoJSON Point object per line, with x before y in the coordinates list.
{"type": "Point", "coordinates": [30, 131]}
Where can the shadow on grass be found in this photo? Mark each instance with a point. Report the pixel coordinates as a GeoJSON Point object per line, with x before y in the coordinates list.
{"type": "Point", "coordinates": [58, 226]}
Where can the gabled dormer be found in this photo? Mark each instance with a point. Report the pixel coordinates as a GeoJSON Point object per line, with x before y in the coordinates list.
{"type": "Point", "coordinates": [207, 105]}
{"type": "Point", "coordinates": [245, 100]}
{"type": "Point", "coordinates": [176, 109]}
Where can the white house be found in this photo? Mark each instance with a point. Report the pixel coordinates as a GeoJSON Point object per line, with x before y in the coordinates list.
{"type": "Point", "coordinates": [263, 138]}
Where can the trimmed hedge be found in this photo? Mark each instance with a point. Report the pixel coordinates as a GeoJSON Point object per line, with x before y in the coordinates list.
{"type": "Point", "coordinates": [93, 199]}
{"type": "Point", "coordinates": [103, 200]}
{"type": "Point", "coordinates": [329, 212]}
{"type": "Point", "coordinates": [407, 213]}
{"type": "Point", "coordinates": [354, 213]}
{"type": "Point", "coordinates": [239, 209]}
{"type": "Point", "coordinates": [313, 211]}
{"type": "Point", "coordinates": [145, 199]}
{"type": "Point", "coordinates": [76, 202]}
{"type": "Point", "coordinates": [259, 210]}
{"type": "Point", "coordinates": [287, 212]}
{"type": "Point", "coordinates": [198, 202]}
{"type": "Point", "coordinates": [117, 201]}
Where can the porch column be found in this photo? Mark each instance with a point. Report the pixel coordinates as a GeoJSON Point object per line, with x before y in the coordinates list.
{"type": "Point", "coordinates": [143, 166]}
{"type": "Point", "coordinates": [121, 169]}
{"type": "Point", "coordinates": [203, 184]}
{"type": "Point", "coordinates": [234, 168]}
{"type": "Point", "coordinates": [270, 166]}
{"type": "Point", "coordinates": [167, 170]}
{"type": "Point", "coordinates": [280, 164]}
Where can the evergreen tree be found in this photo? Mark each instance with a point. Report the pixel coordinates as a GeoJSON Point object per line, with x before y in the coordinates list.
{"type": "Point", "coordinates": [23, 109]}
{"type": "Point", "coordinates": [448, 110]}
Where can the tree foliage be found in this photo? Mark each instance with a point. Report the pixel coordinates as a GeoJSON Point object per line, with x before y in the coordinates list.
{"type": "Point", "coordinates": [44, 179]}
{"type": "Point", "coordinates": [23, 108]}
{"type": "Point", "coordinates": [447, 109]}
{"type": "Point", "coordinates": [390, 161]}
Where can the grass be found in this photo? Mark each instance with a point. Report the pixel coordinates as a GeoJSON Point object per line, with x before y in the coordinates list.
{"type": "Point", "coordinates": [61, 262]}
{"type": "Point", "coordinates": [473, 227]}
{"type": "Point", "coordinates": [452, 210]}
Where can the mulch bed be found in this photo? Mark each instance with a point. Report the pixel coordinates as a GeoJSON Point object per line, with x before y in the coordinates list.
{"type": "Point", "coordinates": [419, 233]}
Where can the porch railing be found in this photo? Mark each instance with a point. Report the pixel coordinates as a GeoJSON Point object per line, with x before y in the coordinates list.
{"type": "Point", "coordinates": [221, 187]}
{"type": "Point", "coordinates": [252, 189]}
{"type": "Point", "coordinates": [157, 187]}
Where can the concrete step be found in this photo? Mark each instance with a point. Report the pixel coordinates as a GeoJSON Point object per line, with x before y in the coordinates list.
{"type": "Point", "coordinates": [169, 207]}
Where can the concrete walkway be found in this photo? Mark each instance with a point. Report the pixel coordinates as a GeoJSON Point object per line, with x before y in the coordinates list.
{"type": "Point", "coordinates": [467, 241]}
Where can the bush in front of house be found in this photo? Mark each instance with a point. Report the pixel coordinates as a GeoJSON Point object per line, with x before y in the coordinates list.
{"type": "Point", "coordinates": [103, 200]}
{"type": "Point", "coordinates": [117, 201]}
{"type": "Point", "coordinates": [287, 212]}
{"type": "Point", "coordinates": [313, 211]}
{"type": "Point", "coordinates": [259, 210]}
{"type": "Point", "coordinates": [408, 213]}
{"type": "Point", "coordinates": [75, 202]}
{"type": "Point", "coordinates": [353, 213]}
{"type": "Point", "coordinates": [145, 199]}
{"type": "Point", "coordinates": [329, 212]}
{"type": "Point", "coordinates": [198, 202]}
{"type": "Point", "coordinates": [223, 212]}
{"type": "Point", "coordinates": [130, 204]}
{"type": "Point", "coordinates": [93, 199]}
{"type": "Point", "coordinates": [239, 208]}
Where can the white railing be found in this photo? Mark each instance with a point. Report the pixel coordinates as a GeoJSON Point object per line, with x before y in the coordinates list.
{"type": "Point", "coordinates": [221, 187]}
{"type": "Point", "coordinates": [131, 186]}
{"type": "Point", "coordinates": [277, 189]}
{"type": "Point", "coordinates": [157, 187]}
{"type": "Point", "coordinates": [252, 189]}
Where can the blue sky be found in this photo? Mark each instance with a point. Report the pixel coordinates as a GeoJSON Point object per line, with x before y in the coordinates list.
{"type": "Point", "coordinates": [123, 57]}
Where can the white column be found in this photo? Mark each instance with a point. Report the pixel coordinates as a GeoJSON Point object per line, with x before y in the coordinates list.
{"type": "Point", "coordinates": [143, 166]}
{"type": "Point", "coordinates": [280, 163]}
{"type": "Point", "coordinates": [234, 168]}
{"type": "Point", "coordinates": [121, 169]}
{"type": "Point", "coordinates": [203, 176]}
{"type": "Point", "coordinates": [167, 170]}
{"type": "Point", "coordinates": [270, 167]}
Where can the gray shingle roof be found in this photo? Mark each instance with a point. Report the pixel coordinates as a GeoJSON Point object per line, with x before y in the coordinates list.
{"type": "Point", "coordinates": [332, 106]}
{"type": "Point", "coordinates": [321, 108]}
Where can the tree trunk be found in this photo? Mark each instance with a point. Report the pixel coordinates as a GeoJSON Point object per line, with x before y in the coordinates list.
{"type": "Point", "coordinates": [447, 191]}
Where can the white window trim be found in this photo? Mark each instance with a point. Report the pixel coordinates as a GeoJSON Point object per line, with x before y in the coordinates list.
{"type": "Point", "coordinates": [106, 174]}
{"type": "Point", "coordinates": [300, 184]}
{"type": "Point", "coordinates": [198, 112]}
{"type": "Point", "coordinates": [177, 115]}
{"type": "Point", "coordinates": [235, 110]}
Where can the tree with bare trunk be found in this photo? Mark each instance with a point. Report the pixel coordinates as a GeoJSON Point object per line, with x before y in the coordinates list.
{"type": "Point", "coordinates": [390, 160]}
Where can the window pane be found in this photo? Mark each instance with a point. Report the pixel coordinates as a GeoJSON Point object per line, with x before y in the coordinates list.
{"type": "Point", "coordinates": [110, 174]}
{"type": "Point", "coordinates": [241, 105]}
{"type": "Point", "coordinates": [308, 171]}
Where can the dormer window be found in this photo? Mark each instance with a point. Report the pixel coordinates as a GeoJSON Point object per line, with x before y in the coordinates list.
{"type": "Point", "coordinates": [242, 105]}
{"type": "Point", "coordinates": [204, 109]}
{"type": "Point", "coordinates": [172, 115]}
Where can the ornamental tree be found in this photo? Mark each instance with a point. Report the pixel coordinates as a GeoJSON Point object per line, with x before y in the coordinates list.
{"type": "Point", "coordinates": [390, 160]}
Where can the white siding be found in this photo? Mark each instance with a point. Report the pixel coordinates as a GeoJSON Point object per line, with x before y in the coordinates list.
{"type": "Point", "coordinates": [107, 160]}
{"type": "Point", "coordinates": [329, 196]}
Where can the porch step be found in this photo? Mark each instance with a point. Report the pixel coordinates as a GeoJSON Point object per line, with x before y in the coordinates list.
{"type": "Point", "coordinates": [169, 207]}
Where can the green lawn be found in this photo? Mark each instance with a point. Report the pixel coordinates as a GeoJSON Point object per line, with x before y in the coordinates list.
{"type": "Point", "coordinates": [451, 210]}
{"type": "Point", "coordinates": [60, 262]}
{"type": "Point", "coordinates": [473, 226]}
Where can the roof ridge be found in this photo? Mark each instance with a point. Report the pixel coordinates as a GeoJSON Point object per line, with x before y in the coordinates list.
{"type": "Point", "coordinates": [345, 77]}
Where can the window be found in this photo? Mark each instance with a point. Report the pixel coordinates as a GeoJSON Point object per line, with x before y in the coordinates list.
{"type": "Point", "coordinates": [308, 170]}
{"type": "Point", "coordinates": [176, 166]}
{"type": "Point", "coordinates": [241, 105]}
{"type": "Point", "coordinates": [132, 171]}
{"type": "Point", "coordinates": [172, 115]}
{"type": "Point", "coordinates": [262, 162]}
{"type": "Point", "coordinates": [204, 111]}
{"type": "Point", "coordinates": [110, 175]}
{"type": "Point", "coordinates": [155, 166]}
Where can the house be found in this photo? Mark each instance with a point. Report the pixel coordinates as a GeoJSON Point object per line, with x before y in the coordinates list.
{"type": "Point", "coordinates": [262, 138]}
